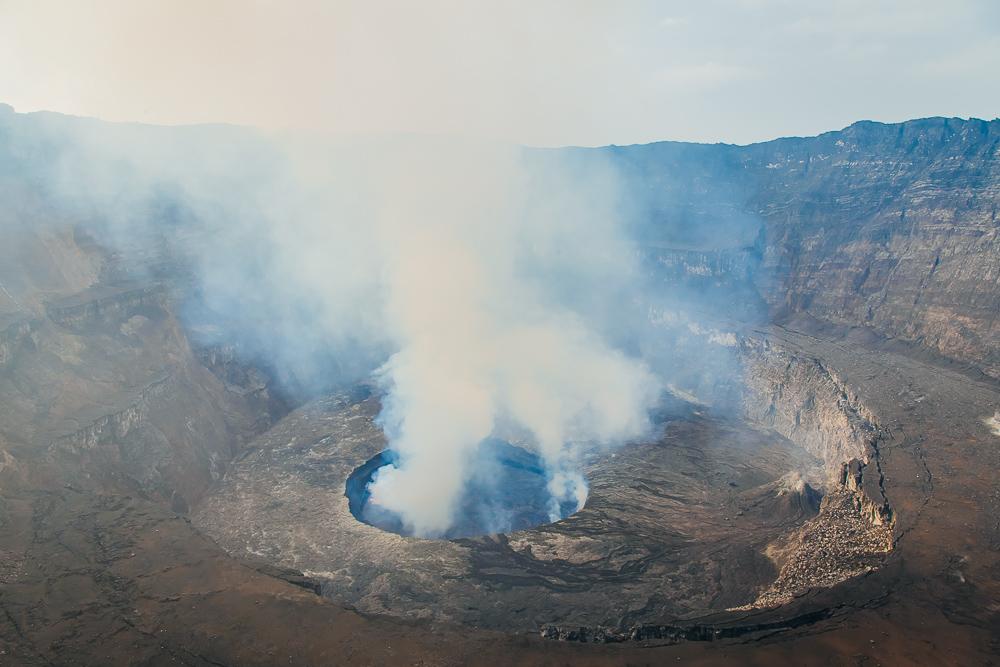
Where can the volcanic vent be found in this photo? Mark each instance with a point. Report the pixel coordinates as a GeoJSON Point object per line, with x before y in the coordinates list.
{"type": "Point", "coordinates": [508, 492]}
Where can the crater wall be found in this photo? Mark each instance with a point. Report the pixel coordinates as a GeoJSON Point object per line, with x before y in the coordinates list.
{"type": "Point", "coordinates": [890, 227]}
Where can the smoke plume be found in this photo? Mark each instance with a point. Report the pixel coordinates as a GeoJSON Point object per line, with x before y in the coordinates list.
{"type": "Point", "coordinates": [471, 246]}
{"type": "Point", "coordinates": [487, 289]}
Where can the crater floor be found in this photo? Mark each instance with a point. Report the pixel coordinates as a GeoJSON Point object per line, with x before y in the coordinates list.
{"type": "Point", "coordinates": [673, 528]}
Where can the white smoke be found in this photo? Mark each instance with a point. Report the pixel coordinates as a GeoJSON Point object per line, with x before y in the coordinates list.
{"type": "Point", "coordinates": [993, 423]}
{"type": "Point", "coordinates": [485, 286]}
{"type": "Point", "coordinates": [481, 337]}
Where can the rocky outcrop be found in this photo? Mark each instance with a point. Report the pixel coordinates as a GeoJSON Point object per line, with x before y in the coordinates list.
{"type": "Point", "coordinates": [168, 440]}
{"type": "Point", "coordinates": [247, 380]}
{"type": "Point", "coordinates": [114, 427]}
{"type": "Point", "coordinates": [104, 304]}
{"type": "Point", "coordinates": [290, 575]}
{"type": "Point", "coordinates": [807, 403]}
{"type": "Point", "coordinates": [804, 400]}
{"type": "Point", "coordinates": [15, 332]}
{"type": "Point", "coordinates": [866, 483]}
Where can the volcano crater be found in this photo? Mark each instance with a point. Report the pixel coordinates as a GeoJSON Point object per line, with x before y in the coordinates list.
{"type": "Point", "coordinates": [508, 491]}
{"type": "Point", "coordinates": [674, 527]}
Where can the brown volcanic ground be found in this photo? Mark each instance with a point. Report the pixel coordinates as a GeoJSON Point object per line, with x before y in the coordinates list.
{"type": "Point", "coordinates": [882, 248]}
{"type": "Point", "coordinates": [675, 527]}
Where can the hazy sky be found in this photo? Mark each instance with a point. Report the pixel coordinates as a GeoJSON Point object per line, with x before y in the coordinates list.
{"type": "Point", "coordinates": [535, 72]}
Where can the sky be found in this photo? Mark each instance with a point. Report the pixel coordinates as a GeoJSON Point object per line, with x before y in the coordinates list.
{"type": "Point", "coordinates": [540, 72]}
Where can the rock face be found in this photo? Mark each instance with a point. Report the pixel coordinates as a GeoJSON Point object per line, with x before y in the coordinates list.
{"type": "Point", "coordinates": [103, 303]}
{"type": "Point", "coordinates": [807, 403]}
{"type": "Point", "coordinates": [800, 397]}
{"type": "Point", "coordinates": [889, 227]}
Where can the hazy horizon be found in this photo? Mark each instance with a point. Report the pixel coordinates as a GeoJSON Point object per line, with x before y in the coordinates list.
{"type": "Point", "coordinates": [543, 74]}
{"type": "Point", "coordinates": [373, 135]}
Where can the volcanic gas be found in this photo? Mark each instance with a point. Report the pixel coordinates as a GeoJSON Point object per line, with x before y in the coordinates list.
{"type": "Point", "coordinates": [511, 491]}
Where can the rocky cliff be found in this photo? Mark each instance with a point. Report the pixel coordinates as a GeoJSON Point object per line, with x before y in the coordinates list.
{"type": "Point", "coordinates": [107, 394]}
{"type": "Point", "coordinates": [889, 227]}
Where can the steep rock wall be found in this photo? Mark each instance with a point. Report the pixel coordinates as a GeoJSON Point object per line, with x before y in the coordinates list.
{"type": "Point", "coordinates": [805, 401]}
{"type": "Point", "coordinates": [103, 304]}
{"type": "Point", "coordinates": [889, 227]}
{"type": "Point", "coordinates": [109, 396]}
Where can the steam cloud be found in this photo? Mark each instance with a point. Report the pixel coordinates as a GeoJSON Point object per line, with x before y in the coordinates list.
{"type": "Point", "coordinates": [483, 286]}
{"type": "Point", "coordinates": [490, 290]}
{"type": "Point", "coordinates": [483, 341]}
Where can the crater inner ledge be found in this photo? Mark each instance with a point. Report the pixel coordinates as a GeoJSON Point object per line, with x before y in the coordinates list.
{"type": "Point", "coordinates": [507, 491]}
